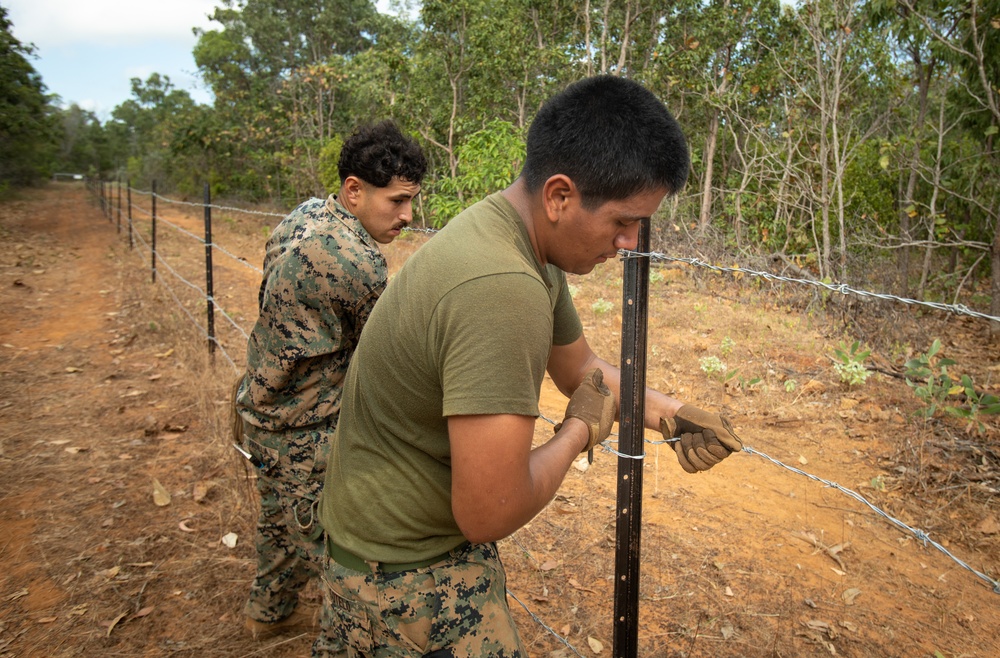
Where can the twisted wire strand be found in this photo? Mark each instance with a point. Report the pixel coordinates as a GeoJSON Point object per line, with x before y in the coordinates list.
{"type": "Point", "coordinates": [844, 289]}
{"type": "Point", "coordinates": [180, 305]}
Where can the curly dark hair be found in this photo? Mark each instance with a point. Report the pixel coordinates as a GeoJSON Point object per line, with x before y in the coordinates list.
{"type": "Point", "coordinates": [377, 153]}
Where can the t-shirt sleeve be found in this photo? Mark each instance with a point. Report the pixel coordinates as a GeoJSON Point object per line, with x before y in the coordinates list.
{"type": "Point", "coordinates": [566, 324]}
{"type": "Point", "coordinates": [492, 337]}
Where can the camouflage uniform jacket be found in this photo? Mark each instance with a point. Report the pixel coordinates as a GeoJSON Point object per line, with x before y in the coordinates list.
{"type": "Point", "coordinates": [322, 275]}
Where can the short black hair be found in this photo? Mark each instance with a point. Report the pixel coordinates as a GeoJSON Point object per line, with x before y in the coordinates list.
{"type": "Point", "coordinates": [611, 136]}
{"type": "Point", "coordinates": [377, 153]}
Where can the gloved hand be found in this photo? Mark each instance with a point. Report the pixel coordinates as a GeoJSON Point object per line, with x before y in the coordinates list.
{"type": "Point", "coordinates": [594, 404]}
{"type": "Point", "coordinates": [705, 438]}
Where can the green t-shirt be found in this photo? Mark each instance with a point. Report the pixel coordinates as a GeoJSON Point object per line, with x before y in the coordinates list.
{"type": "Point", "coordinates": [465, 328]}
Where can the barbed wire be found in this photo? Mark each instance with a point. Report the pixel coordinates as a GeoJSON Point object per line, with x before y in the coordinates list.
{"type": "Point", "coordinates": [919, 534]}
{"type": "Point", "coordinates": [226, 208]}
{"type": "Point", "coordinates": [241, 261]}
{"type": "Point", "coordinates": [541, 623]}
{"type": "Point", "coordinates": [844, 289]}
{"type": "Point", "coordinates": [606, 445]}
{"type": "Point", "coordinates": [180, 304]}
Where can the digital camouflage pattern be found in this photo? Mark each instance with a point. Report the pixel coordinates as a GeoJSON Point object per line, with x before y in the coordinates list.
{"type": "Point", "coordinates": [322, 275]}
{"type": "Point", "coordinates": [456, 608]}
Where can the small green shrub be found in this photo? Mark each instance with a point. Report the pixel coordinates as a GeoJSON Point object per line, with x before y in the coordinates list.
{"type": "Point", "coordinates": [712, 366]}
{"type": "Point", "coordinates": [849, 362]}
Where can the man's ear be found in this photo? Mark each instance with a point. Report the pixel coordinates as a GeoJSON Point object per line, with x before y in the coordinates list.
{"type": "Point", "coordinates": [558, 193]}
{"type": "Point", "coordinates": [352, 188]}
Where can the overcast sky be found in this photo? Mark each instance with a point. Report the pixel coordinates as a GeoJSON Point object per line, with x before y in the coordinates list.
{"type": "Point", "coordinates": [88, 50]}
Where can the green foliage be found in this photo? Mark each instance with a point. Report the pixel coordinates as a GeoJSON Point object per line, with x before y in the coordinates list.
{"type": "Point", "coordinates": [928, 376]}
{"type": "Point", "coordinates": [28, 132]}
{"type": "Point", "coordinates": [790, 385]}
{"type": "Point", "coordinates": [329, 156]}
{"type": "Point", "coordinates": [488, 161]}
{"type": "Point", "coordinates": [849, 362]}
{"type": "Point", "coordinates": [726, 348]}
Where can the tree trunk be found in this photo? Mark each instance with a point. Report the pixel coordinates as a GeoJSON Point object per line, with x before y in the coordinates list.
{"type": "Point", "coordinates": [706, 190]}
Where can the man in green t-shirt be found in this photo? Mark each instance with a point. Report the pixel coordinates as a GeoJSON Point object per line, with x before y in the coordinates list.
{"type": "Point", "coordinates": [432, 461]}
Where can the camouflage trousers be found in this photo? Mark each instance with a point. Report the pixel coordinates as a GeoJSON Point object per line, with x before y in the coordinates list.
{"type": "Point", "coordinates": [289, 540]}
{"type": "Point", "coordinates": [456, 608]}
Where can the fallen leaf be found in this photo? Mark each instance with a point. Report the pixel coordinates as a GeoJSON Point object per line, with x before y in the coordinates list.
{"type": "Point", "coordinates": [201, 490]}
{"type": "Point", "coordinates": [72, 369]}
{"type": "Point", "coordinates": [183, 526]}
{"type": "Point", "coordinates": [548, 565]}
{"type": "Point", "coordinates": [163, 355]}
{"type": "Point", "coordinates": [154, 377]}
{"type": "Point", "coordinates": [727, 630]}
{"type": "Point", "coordinates": [729, 591]}
{"type": "Point", "coordinates": [160, 495]}
{"type": "Point", "coordinates": [595, 645]}
{"type": "Point", "coordinates": [849, 626]}
{"type": "Point", "coordinates": [140, 564]}
{"type": "Point", "coordinates": [230, 539]}
{"type": "Point", "coordinates": [75, 450]}
{"type": "Point", "coordinates": [110, 573]}
{"type": "Point", "coordinates": [114, 622]}
{"type": "Point", "coordinates": [850, 595]}
{"type": "Point", "coordinates": [59, 442]}
{"type": "Point", "coordinates": [18, 594]}
{"type": "Point", "coordinates": [576, 585]}
{"type": "Point", "coordinates": [581, 465]}
{"type": "Point", "coordinates": [47, 620]}
{"type": "Point", "coordinates": [142, 613]}
{"type": "Point", "coordinates": [803, 460]}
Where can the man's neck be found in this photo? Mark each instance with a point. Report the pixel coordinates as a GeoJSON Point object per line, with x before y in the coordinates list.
{"type": "Point", "coordinates": [524, 203]}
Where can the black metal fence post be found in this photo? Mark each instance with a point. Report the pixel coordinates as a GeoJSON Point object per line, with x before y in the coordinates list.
{"type": "Point", "coordinates": [153, 242]}
{"type": "Point", "coordinates": [209, 290]}
{"type": "Point", "coordinates": [628, 527]}
{"type": "Point", "coordinates": [128, 188]}
{"type": "Point", "coordinates": [119, 181]}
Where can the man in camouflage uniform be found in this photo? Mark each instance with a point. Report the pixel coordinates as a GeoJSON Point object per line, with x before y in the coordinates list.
{"type": "Point", "coordinates": [429, 467]}
{"type": "Point", "coordinates": [322, 275]}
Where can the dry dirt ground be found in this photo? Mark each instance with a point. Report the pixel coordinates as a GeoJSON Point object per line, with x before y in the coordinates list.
{"type": "Point", "coordinates": [117, 486]}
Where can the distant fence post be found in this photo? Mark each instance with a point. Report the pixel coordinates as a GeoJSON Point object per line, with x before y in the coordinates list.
{"type": "Point", "coordinates": [210, 294]}
{"type": "Point", "coordinates": [153, 241]}
{"type": "Point", "coordinates": [119, 181]}
{"type": "Point", "coordinates": [128, 188]}
{"type": "Point", "coordinates": [100, 196]}
{"type": "Point", "coordinates": [628, 515]}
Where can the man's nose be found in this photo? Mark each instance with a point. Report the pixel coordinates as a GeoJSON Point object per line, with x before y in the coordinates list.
{"type": "Point", "coordinates": [628, 237]}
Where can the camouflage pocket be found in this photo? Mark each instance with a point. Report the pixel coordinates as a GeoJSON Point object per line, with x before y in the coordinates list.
{"type": "Point", "coordinates": [267, 458]}
{"type": "Point", "coordinates": [350, 620]}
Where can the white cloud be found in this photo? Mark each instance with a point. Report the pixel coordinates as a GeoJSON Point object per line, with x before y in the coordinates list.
{"type": "Point", "coordinates": [54, 23]}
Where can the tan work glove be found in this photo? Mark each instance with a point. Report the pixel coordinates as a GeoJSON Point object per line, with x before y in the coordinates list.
{"type": "Point", "coordinates": [594, 404]}
{"type": "Point", "coordinates": [705, 438]}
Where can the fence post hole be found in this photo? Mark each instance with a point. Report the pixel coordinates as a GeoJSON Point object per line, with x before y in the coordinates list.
{"type": "Point", "coordinates": [128, 191]}
{"type": "Point", "coordinates": [153, 241]}
{"type": "Point", "coordinates": [628, 515]}
{"type": "Point", "coordinates": [210, 294]}
{"type": "Point", "coordinates": [119, 182]}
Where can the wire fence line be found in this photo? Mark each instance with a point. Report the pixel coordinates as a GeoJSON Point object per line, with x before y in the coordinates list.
{"type": "Point", "coordinates": [844, 289]}
{"type": "Point", "coordinates": [607, 446]}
